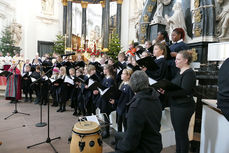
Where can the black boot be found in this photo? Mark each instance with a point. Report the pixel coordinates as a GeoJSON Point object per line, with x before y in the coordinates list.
{"type": "Point", "coordinates": [26, 98]}
{"type": "Point", "coordinates": [60, 109]}
{"type": "Point", "coordinates": [64, 109]}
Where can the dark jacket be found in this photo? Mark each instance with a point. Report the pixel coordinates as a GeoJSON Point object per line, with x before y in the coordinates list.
{"type": "Point", "coordinates": [143, 124]}
{"type": "Point", "coordinates": [187, 82]}
{"type": "Point", "coordinates": [223, 84]}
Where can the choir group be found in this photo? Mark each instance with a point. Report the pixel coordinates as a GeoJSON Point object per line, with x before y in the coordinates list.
{"type": "Point", "coordinates": [104, 83]}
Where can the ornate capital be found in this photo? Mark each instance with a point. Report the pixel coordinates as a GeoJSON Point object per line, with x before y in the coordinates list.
{"type": "Point", "coordinates": [69, 0]}
{"type": "Point", "coordinates": [64, 2]}
{"type": "Point", "coordinates": [119, 1]}
{"type": "Point", "coordinates": [103, 3]}
{"type": "Point", "coordinates": [84, 4]}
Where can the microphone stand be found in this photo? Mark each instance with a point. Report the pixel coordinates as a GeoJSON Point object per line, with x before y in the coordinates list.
{"type": "Point", "coordinates": [41, 124]}
{"type": "Point", "coordinates": [48, 140]}
{"type": "Point", "coordinates": [15, 109]}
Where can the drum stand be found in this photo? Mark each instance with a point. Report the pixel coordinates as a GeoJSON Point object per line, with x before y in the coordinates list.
{"type": "Point", "coordinates": [15, 112]}
{"type": "Point", "coordinates": [48, 140]}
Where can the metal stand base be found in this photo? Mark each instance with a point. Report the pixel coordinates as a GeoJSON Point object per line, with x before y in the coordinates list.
{"type": "Point", "coordinates": [41, 124]}
{"type": "Point", "coordinates": [48, 140]}
{"type": "Point", "coordinates": [15, 112]}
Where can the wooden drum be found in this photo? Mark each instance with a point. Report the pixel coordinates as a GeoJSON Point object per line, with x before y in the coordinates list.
{"type": "Point", "coordinates": [86, 138]}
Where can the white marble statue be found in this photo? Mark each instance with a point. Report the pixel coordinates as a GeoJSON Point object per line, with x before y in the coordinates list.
{"type": "Point", "coordinates": [223, 19]}
{"type": "Point", "coordinates": [177, 20]}
{"type": "Point", "coordinates": [158, 15]}
{"type": "Point", "coordinates": [47, 7]}
{"type": "Point", "coordinates": [16, 30]}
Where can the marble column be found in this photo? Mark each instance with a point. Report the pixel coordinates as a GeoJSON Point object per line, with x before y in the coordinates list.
{"type": "Point", "coordinates": [106, 24]}
{"type": "Point", "coordinates": [64, 16]}
{"type": "Point", "coordinates": [103, 21]}
{"type": "Point", "coordinates": [118, 19]}
{"type": "Point", "coordinates": [69, 26]}
{"type": "Point", "coordinates": [84, 20]}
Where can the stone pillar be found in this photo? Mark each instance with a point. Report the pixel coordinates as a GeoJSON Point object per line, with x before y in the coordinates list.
{"type": "Point", "coordinates": [106, 24]}
{"type": "Point", "coordinates": [103, 21]}
{"type": "Point", "coordinates": [118, 18]}
{"type": "Point", "coordinates": [69, 26]}
{"type": "Point", "coordinates": [84, 20]}
{"type": "Point", "coordinates": [64, 16]}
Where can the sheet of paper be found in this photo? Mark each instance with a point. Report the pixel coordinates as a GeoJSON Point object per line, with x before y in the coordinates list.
{"type": "Point", "coordinates": [90, 82]}
{"type": "Point", "coordinates": [52, 80]}
{"type": "Point", "coordinates": [92, 118]}
{"type": "Point", "coordinates": [69, 80]}
{"type": "Point", "coordinates": [102, 92]}
{"type": "Point", "coordinates": [33, 79]}
{"type": "Point", "coordinates": [152, 81]}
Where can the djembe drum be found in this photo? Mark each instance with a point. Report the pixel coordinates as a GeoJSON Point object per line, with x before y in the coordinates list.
{"type": "Point", "coordinates": [86, 138]}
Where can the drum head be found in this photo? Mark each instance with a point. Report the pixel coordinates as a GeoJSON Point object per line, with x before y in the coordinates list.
{"type": "Point", "coordinates": [86, 127]}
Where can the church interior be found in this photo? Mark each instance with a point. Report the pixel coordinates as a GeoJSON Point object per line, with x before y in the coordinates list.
{"type": "Point", "coordinates": [121, 76]}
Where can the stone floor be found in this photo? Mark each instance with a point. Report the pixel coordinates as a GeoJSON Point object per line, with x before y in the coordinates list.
{"type": "Point", "coordinates": [19, 131]}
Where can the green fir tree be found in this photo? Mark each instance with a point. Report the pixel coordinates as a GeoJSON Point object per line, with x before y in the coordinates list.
{"type": "Point", "coordinates": [7, 42]}
{"type": "Point", "coordinates": [59, 44]}
{"type": "Point", "coordinates": [114, 46]}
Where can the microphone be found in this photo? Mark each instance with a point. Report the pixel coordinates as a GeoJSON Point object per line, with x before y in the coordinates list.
{"type": "Point", "coordinates": [69, 54]}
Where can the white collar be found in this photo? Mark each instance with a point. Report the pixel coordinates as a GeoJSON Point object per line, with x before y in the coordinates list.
{"type": "Point", "coordinates": [159, 57]}
{"type": "Point", "coordinates": [181, 40]}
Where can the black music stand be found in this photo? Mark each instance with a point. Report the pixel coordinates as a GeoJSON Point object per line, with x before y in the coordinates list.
{"type": "Point", "coordinates": [48, 140]}
{"type": "Point", "coordinates": [8, 74]}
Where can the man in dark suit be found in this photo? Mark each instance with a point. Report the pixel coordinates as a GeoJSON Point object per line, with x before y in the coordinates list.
{"type": "Point", "coordinates": [223, 93]}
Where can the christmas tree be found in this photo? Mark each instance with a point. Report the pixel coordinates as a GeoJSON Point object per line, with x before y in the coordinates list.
{"type": "Point", "coordinates": [7, 42]}
{"type": "Point", "coordinates": [114, 46]}
{"type": "Point", "coordinates": [59, 44]}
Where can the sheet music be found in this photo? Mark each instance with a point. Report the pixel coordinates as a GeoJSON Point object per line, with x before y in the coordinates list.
{"type": "Point", "coordinates": [92, 118]}
{"type": "Point", "coordinates": [102, 92]}
{"type": "Point", "coordinates": [118, 70]}
{"type": "Point", "coordinates": [152, 81]}
{"type": "Point", "coordinates": [23, 74]}
{"type": "Point", "coordinates": [90, 82]}
{"type": "Point", "coordinates": [1, 71]}
{"type": "Point", "coordinates": [52, 80]}
{"type": "Point", "coordinates": [33, 79]}
{"type": "Point", "coordinates": [137, 57]}
{"type": "Point", "coordinates": [69, 80]}
{"type": "Point", "coordinates": [45, 78]}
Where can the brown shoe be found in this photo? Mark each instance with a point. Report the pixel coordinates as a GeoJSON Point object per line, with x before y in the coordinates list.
{"type": "Point", "coordinates": [0, 143]}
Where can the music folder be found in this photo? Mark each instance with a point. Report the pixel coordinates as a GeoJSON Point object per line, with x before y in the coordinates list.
{"type": "Point", "coordinates": [5, 73]}
{"type": "Point", "coordinates": [166, 85]}
{"type": "Point", "coordinates": [94, 85]}
{"type": "Point", "coordinates": [148, 62]}
{"type": "Point", "coordinates": [110, 93]}
{"type": "Point", "coordinates": [59, 81]}
{"type": "Point", "coordinates": [79, 79]}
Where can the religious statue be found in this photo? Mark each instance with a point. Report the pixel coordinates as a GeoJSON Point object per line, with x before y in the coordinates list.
{"type": "Point", "coordinates": [47, 7]}
{"type": "Point", "coordinates": [158, 15]}
{"type": "Point", "coordinates": [16, 30]}
{"type": "Point", "coordinates": [223, 18]}
{"type": "Point", "coordinates": [177, 20]}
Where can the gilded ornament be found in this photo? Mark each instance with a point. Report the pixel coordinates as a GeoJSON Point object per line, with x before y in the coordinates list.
{"type": "Point", "coordinates": [150, 8]}
{"type": "Point", "coordinates": [146, 18]}
{"type": "Point", "coordinates": [197, 32]}
{"type": "Point", "coordinates": [197, 16]}
{"type": "Point", "coordinates": [143, 29]}
{"type": "Point", "coordinates": [197, 3]}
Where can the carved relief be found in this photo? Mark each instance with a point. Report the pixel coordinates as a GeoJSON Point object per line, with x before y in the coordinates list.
{"type": "Point", "coordinates": [197, 16]}
{"type": "Point", "coordinates": [197, 32]}
{"type": "Point", "coordinates": [150, 8]}
{"type": "Point", "coordinates": [146, 18]}
{"type": "Point", "coordinates": [196, 3]}
{"type": "Point", "coordinates": [223, 19]}
{"type": "Point", "coordinates": [47, 7]}
{"type": "Point", "coordinates": [143, 29]}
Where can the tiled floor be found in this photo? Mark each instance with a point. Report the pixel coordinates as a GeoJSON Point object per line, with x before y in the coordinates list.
{"type": "Point", "coordinates": [19, 131]}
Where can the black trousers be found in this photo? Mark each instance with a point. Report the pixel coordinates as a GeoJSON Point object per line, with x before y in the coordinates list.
{"type": "Point", "coordinates": [121, 120]}
{"type": "Point", "coordinates": [180, 116]}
